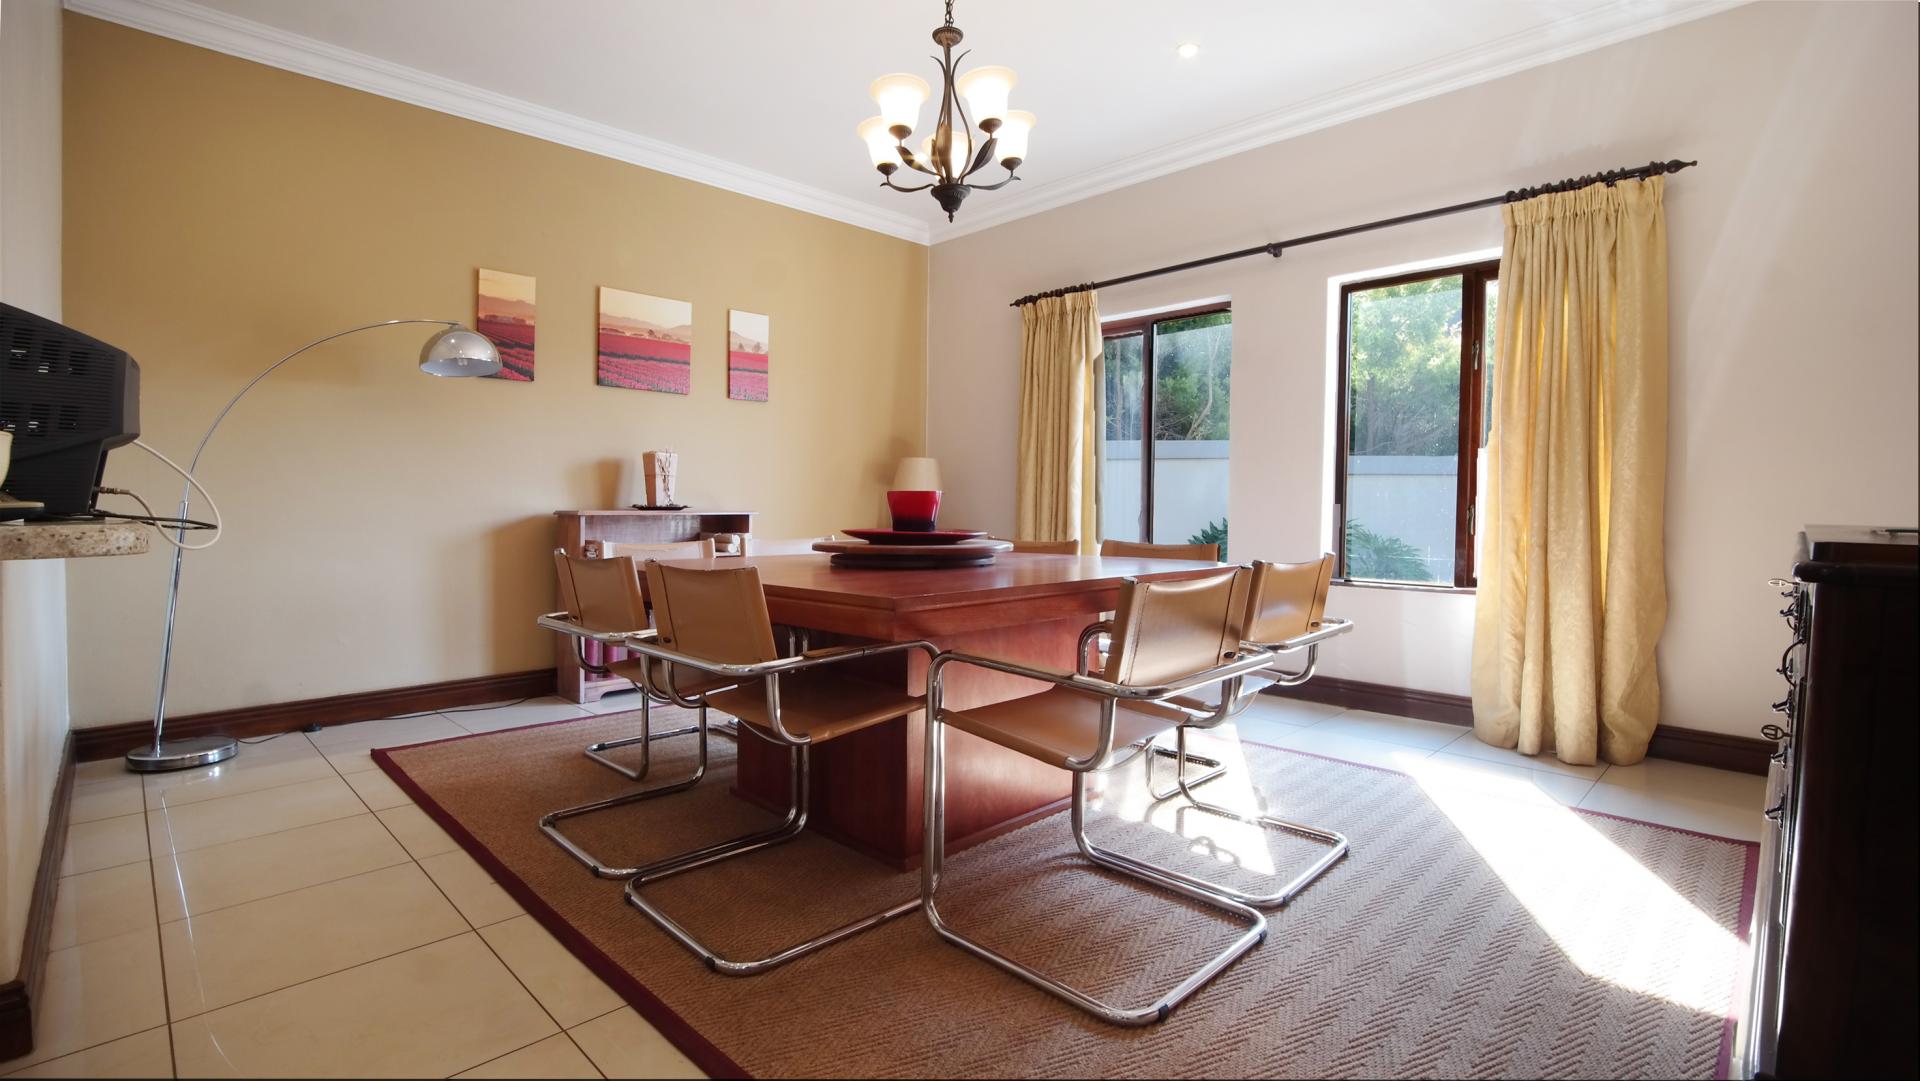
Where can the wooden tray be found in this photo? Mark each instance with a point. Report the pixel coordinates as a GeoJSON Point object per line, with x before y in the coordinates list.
{"type": "Point", "coordinates": [974, 553]}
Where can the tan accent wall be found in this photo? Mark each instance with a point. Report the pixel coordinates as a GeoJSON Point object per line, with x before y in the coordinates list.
{"type": "Point", "coordinates": [387, 528]}
{"type": "Point", "coordinates": [1793, 274]}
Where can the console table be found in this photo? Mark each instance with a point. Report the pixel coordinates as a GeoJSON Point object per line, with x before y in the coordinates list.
{"type": "Point", "coordinates": [580, 532]}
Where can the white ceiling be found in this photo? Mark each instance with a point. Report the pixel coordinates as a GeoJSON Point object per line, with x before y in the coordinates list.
{"type": "Point", "coordinates": [762, 96]}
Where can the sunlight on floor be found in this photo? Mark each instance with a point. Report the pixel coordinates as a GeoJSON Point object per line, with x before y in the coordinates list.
{"type": "Point", "coordinates": [1236, 844]}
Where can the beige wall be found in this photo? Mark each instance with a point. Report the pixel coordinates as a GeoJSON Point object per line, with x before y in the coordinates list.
{"type": "Point", "coordinates": [33, 595]}
{"type": "Point", "coordinates": [386, 528]}
{"type": "Point", "coordinates": [1793, 268]}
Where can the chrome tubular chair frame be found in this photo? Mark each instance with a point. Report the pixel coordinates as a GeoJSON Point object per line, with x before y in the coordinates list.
{"type": "Point", "coordinates": [1151, 749]}
{"type": "Point", "coordinates": [1337, 845]}
{"type": "Point", "coordinates": [1104, 756]}
{"type": "Point", "coordinates": [797, 810]}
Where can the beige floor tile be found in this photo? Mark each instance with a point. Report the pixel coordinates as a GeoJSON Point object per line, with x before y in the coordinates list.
{"type": "Point", "coordinates": [1294, 711]}
{"type": "Point", "coordinates": [108, 842]}
{"type": "Point", "coordinates": [144, 1054]}
{"type": "Point", "coordinates": [351, 762]}
{"type": "Point", "coordinates": [555, 1056]}
{"type": "Point", "coordinates": [104, 799]}
{"type": "Point", "coordinates": [251, 814]}
{"type": "Point", "coordinates": [397, 732]}
{"type": "Point", "coordinates": [377, 790]}
{"type": "Point", "coordinates": [95, 993]}
{"type": "Point", "coordinates": [472, 891]}
{"type": "Point", "coordinates": [497, 718]}
{"type": "Point", "coordinates": [1405, 731]}
{"type": "Point", "coordinates": [417, 832]}
{"type": "Point", "coordinates": [103, 904]}
{"type": "Point", "coordinates": [1347, 748]}
{"type": "Point", "coordinates": [101, 770]}
{"type": "Point", "coordinates": [205, 879]}
{"type": "Point", "coordinates": [429, 1012]}
{"type": "Point", "coordinates": [253, 769]}
{"type": "Point", "coordinates": [570, 992]}
{"type": "Point", "coordinates": [622, 1044]}
{"type": "Point", "coordinates": [1469, 745]}
{"type": "Point", "coordinates": [1685, 796]}
{"type": "Point", "coordinates": [247, 950]}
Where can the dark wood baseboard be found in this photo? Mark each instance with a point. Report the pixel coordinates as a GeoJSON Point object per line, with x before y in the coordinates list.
{"type": "Point", "coordinates": [107, 741]}
{"type": "Point", "coordinates": [1742, 754]}
{"type": "Point", "coordinates": [18, 995]}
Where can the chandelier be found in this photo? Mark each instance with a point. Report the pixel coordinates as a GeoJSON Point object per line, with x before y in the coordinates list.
{"type": "Point", "coordinates": [951, 154]}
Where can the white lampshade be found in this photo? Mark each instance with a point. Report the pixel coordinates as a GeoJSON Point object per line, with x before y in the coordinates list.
{"type": "Point", "coordinates": [986, 91]}
{"type": "Point", "coordinates": [879, 140]}
{"type": "Point", "coordinates": [956, 154]}
{"type": "Point", "coordinates": [917, 475]}
{"type": "Point", "coordinates": [1013, 133]}
{"type": "Point", "coordinates": [457, 352]}
{"type": "Point", "coordinates": [900, 97]}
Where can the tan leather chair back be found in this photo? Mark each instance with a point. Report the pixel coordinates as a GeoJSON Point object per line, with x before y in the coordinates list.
{"type": "Point", "coordinates": [716, 615]}
{"type": "Point", "coordinates": [603, 594]}
{"type": "Point", "coordinates": [1163, 631]}
{"type": "Point", "coordinates": [693, 549]}
{"type": "Point", "coordinates": [1285, 600]}
{"type": "Point", "coordinates": [1048, 548]}
{"type": "Point", "coordinates": [1209, 553]}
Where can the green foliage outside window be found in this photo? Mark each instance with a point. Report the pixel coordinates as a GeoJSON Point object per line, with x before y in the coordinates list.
{"type": "Point", "coordinates": [1215, 533]}
{"type": "Point", "coordinates": [1375, 557]}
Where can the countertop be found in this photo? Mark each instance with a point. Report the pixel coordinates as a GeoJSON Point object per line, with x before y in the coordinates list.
{"type": "Point", "coordinates": [71, 540]}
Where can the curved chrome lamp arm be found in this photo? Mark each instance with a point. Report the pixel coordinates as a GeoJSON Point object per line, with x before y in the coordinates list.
{"type": "Point", "coordinates": [186, 501]}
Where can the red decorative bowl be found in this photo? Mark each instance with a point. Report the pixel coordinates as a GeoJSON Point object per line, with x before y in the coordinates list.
{"type": "Point", "coordinates": [913, 512]}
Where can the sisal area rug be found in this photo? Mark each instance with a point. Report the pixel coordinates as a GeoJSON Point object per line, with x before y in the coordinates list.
{"type": "Point", "coordinates": [1466, 936]}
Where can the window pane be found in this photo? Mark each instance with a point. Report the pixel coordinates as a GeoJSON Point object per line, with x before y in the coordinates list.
{"type": "Point", "coordinates": [1120, 451]}
{"type": "Point", "coordinates": [1489, 326]}
{"type": "Point", "coordinates": [1403, 416]}
{"type": "Point", "coordinates": [1192, 380]}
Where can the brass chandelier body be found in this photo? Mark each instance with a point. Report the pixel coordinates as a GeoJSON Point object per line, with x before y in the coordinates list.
{"type": "Point", "coordinates": [952, 155]}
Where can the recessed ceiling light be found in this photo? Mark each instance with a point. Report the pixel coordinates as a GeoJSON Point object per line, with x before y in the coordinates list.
{"type": "Point", "coordinates": [1188, 50]}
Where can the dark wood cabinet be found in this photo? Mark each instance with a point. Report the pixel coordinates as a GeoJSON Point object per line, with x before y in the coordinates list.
{"type": "Point", "coordinates": [1835, 955]}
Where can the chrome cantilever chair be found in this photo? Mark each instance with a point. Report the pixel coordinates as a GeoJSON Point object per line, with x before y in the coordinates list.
{"type": "Point", "coordinates": [716, 622]}
{"type": "Point", "coordinates": [604, 604]}
{"type": "Point", "coordinates": [1281, 612]}
{"type": "Point", "coordinates": [1169, 638]}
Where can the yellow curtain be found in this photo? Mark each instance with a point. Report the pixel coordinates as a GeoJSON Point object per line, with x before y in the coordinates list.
{"type": "Point", "coordinates": [1060, 362]}
{"type": "Point", "coordinates": [1572, 578]}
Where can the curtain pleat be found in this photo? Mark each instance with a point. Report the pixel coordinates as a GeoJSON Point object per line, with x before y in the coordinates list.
{"type": "Point", "coordinates": [1057, 487]}
{"type": "Point", "coordinates": [1572, 577]}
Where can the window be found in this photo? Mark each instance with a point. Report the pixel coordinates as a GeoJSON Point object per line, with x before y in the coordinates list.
{"type": "Point", "coordinates": [1416, 370]}
{"type": "Point", "coordinates": [1166, 482]}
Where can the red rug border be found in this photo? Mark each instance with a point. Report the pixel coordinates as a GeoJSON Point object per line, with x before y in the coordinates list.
{"type": "Point", "coordinates": [717, 1063]}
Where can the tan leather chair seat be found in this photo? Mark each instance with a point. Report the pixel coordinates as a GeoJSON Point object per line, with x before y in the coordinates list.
{"type": "Point", "coordinates": [818, 705]}
{"type": "Point", "coordinates": [1056, 725]}
{"type": "Point", "coordinates": [688, 681]}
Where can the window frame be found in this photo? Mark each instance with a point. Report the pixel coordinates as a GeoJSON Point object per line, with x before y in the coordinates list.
{"type": "Point", "coordinates": [1143, 325]}
{"type": "Point", "coordinates": [1474, 277]}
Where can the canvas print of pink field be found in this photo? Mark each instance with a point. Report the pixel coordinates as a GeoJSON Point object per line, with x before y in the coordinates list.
{"type": "Point", "coordinates": [646, 343]}
{"type": "Point", "coordinates": [503, 311]}
{"type": "Point", "coordinates": [747, 336]}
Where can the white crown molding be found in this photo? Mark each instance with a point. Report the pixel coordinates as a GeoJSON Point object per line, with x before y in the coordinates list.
{"type": "Point", "coordinates": [249, 40]}
{"type": "Point", "coordinates": [1593, 29]}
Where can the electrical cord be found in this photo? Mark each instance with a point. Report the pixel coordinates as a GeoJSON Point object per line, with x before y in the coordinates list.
{"type": "Point", "coordinates": [218, 528]}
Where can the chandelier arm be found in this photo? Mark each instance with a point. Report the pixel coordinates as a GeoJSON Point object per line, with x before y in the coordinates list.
{"type": "Point", "coordinates": [888, 183]}
{"type": "Point", "coordinates": [986, 155]}
{"type": "Point", "coordinates": [1011, 177]}
{"type": "Point", "coordinates": [912, 163]}
{"type": "Point", "coordinates": [960, 106]}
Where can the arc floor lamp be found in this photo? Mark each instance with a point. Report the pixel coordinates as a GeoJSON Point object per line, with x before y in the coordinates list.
{"type": "Point", "coordinates": [453, 351]}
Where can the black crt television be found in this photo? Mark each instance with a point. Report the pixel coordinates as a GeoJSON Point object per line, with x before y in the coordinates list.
{"type": "Point", "coordinates": [68, 399]}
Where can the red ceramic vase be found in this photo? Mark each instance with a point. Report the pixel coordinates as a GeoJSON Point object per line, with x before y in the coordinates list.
{"type": "Point", "coordinates": [914, 512]}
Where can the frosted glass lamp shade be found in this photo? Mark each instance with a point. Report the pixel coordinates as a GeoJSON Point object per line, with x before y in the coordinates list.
{"type": "Point", "coordinates": [917, 475]}
{"type": "Point", "coordinates": [900, 97]}
{"type": "Point", "coordinates": [1014, 131]}
{"type": "Point", "coordinates": [457, 352]}
{"type": "Point", "coordinates": [986, 91]}
{"type": "Point", "coordinates": [880, 142]}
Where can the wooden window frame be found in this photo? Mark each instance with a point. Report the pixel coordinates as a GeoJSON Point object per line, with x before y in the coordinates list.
{"type": "Point", "coordinates": [1143, 325]}
{"type": "Point", "coordinates": [1473, 302]}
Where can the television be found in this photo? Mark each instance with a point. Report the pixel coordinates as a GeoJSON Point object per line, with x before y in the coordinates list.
{"type": "Point", "coordinates": [68, 399]}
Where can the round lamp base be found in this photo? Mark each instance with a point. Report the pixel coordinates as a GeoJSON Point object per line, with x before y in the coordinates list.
{"type": "Point", "coordinates": [174, 754]}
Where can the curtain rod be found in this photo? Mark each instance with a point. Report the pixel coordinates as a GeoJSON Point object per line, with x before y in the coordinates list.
{"type": "Point", "coordinates": [1641, 172]}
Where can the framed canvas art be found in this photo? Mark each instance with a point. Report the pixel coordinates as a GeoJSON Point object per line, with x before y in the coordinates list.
{"type": "Point", "coordinates": [504, 312]}
{"type": "Point", "coordinates": [646, 342]}
{"type": "Point", "coordinates": [747, 336]}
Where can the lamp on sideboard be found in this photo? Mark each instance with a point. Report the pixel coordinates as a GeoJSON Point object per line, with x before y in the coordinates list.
{"type": "Point", "coordinates": [452, 352]}
{"type": "Point", "coordinates": [914, 500]}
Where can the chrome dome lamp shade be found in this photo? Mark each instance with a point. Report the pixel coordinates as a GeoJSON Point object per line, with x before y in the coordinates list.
{"type": "Point", "coordinates": [458, 352]}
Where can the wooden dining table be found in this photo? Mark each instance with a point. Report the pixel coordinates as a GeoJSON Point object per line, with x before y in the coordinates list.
{"type": "Point", "coordinates": [866, 787]}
